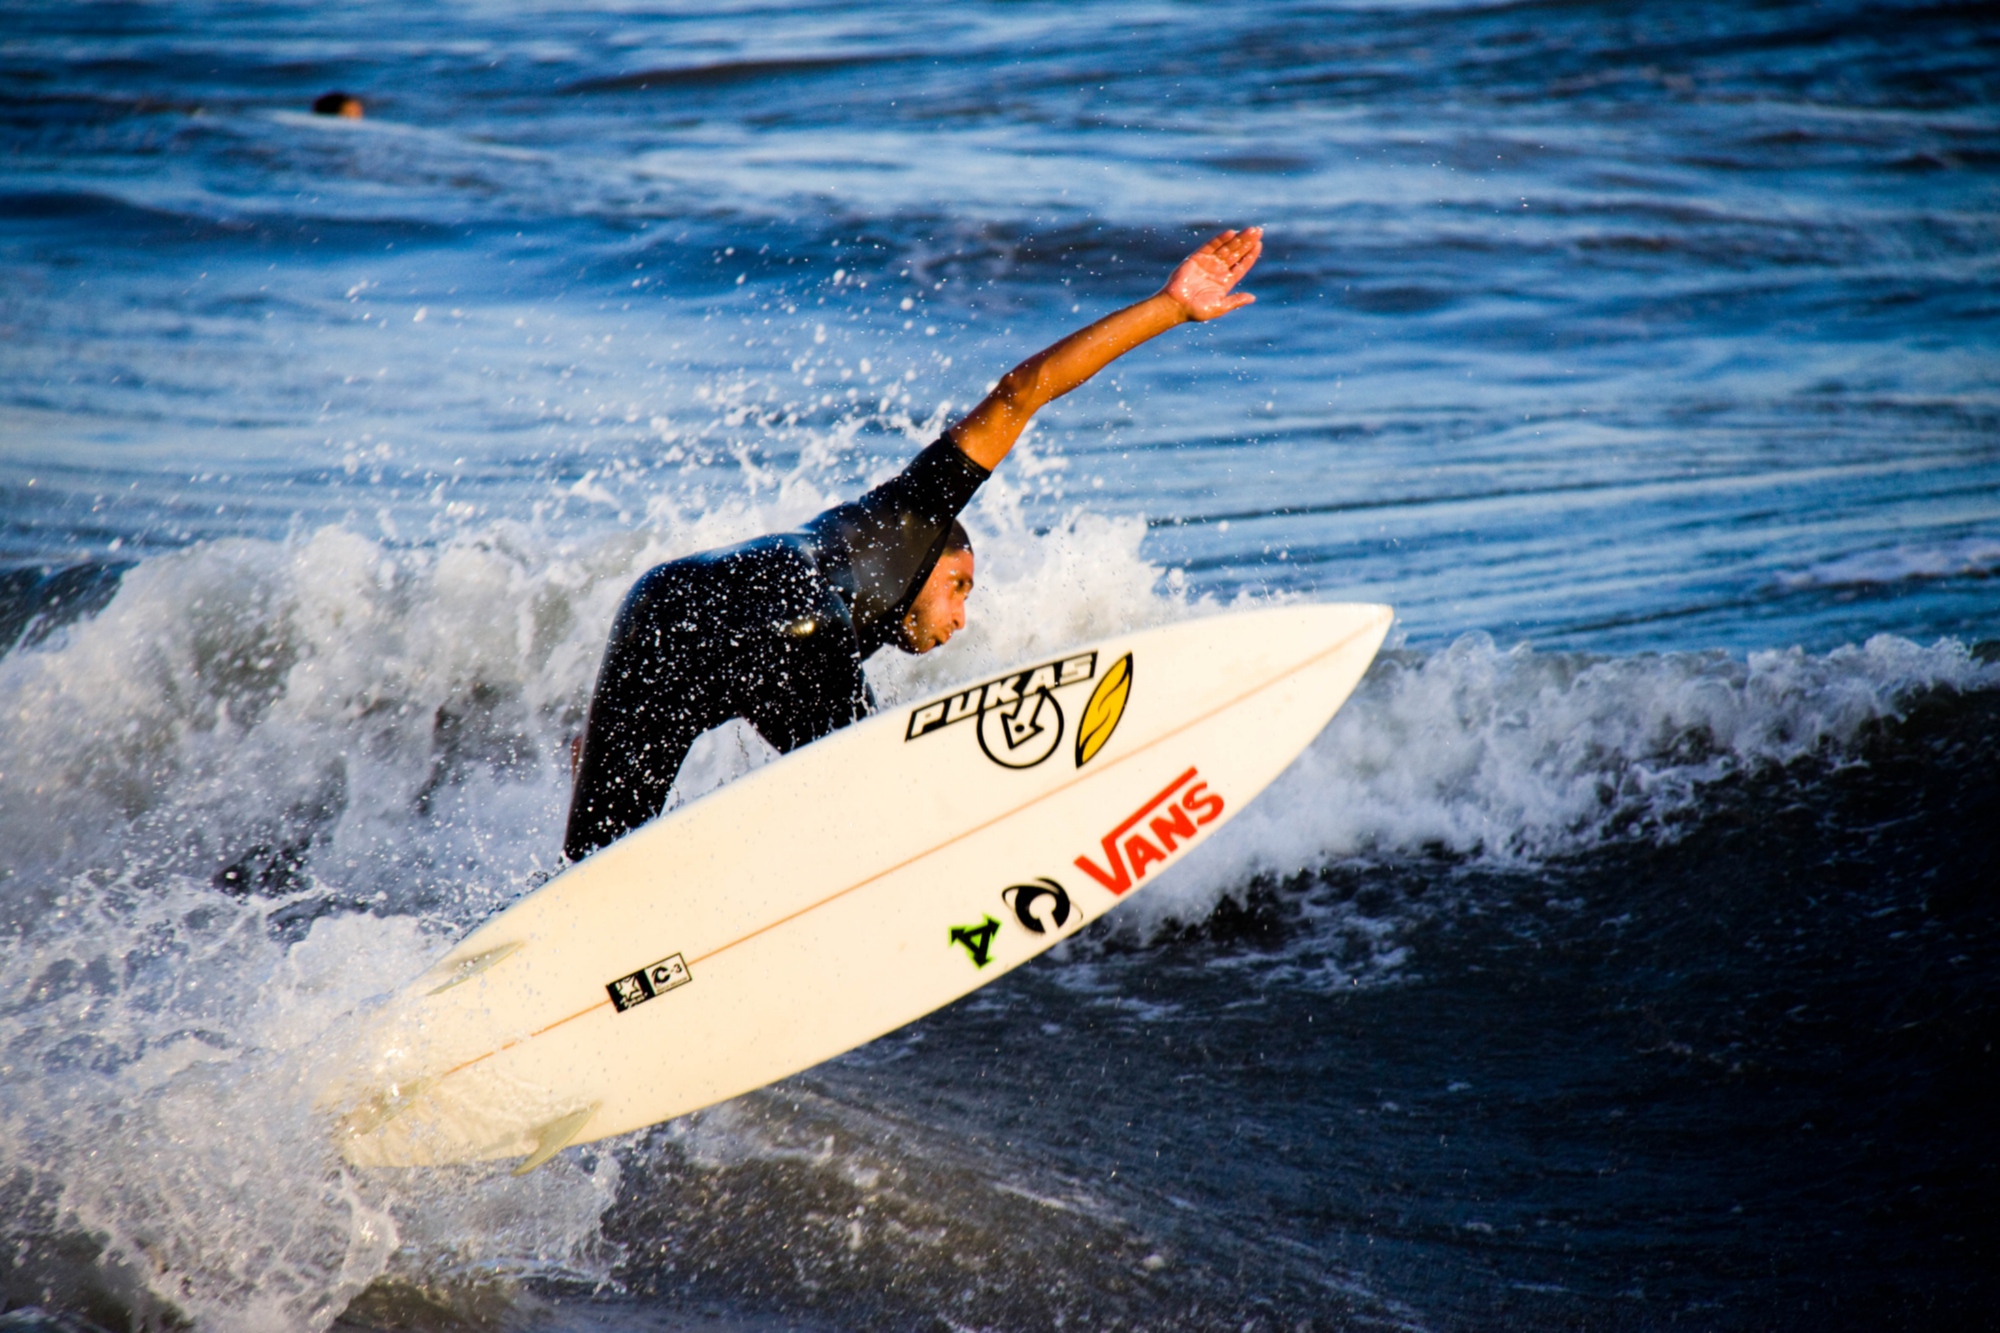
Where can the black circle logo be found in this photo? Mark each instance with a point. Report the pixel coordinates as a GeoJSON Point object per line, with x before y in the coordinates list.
{"type": "Point", "coordinates": [1022, 898]}
{"type": "Point", "coordinates": [1023, 733]}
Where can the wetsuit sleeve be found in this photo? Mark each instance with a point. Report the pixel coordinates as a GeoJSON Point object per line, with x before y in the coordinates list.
{"type": "Point", "coordinates": [878, 550]}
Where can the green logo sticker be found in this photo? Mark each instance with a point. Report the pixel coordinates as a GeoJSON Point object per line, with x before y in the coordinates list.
{"type": "Point", "coordinates": [977, 941]}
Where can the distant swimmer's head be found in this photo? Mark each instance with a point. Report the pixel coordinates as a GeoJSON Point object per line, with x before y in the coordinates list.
{"type": "Point", "coordinates": [338, 104]}
{"type": "Point", "coordinates": [938, 610]}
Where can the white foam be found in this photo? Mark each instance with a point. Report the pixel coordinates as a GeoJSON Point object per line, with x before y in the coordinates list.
{"type": "Point", "coordinates": [159, 1032]}
{"type": "Point", "coordinates": [1514, 755]}
{"type": "Point", "coordinates": [160, 1086]}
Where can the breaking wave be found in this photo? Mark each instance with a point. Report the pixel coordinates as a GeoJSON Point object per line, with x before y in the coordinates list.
{"type": "Point", "coordinates": [267, 781]}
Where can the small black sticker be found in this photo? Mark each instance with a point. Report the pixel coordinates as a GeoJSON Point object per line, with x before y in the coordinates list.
{"type": "Point", "coordinates": [1022, 898]}
{"type": "Point", "coordinates": [647, 982]}
{"type": "Point", "coordinates": [977, 941]}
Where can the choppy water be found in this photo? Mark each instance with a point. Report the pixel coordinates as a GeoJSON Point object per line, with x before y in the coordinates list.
{"type": "Point", "coordinates": [1624, 956]}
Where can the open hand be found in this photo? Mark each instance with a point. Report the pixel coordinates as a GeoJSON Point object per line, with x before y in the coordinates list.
{"type": "Point", "coordinates": [1201, 285]}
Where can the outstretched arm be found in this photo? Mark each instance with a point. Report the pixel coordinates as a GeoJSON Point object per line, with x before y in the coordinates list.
{"type": "Point", "coordinates": [1200, 289]}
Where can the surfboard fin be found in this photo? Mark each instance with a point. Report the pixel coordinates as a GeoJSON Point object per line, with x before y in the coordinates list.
{"type": "Point", "coordinates": [383, 1107]}
{"type": "Point", "coordinates": [553, 1137]}
{"type": "Point", "coordinates": [471, 967]}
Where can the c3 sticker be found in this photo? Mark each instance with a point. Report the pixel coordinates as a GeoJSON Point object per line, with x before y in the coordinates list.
{"type": "Point", "coordinates": [641, 986]}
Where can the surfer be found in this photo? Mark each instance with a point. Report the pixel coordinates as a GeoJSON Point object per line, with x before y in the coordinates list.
{"type": "Point", "coordinates": [775, 630]}
{"type": "Point", "coordinates": [345, 105]}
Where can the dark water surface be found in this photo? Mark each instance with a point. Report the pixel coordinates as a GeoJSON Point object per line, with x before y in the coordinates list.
{"type": "Point", "coordinates": [1624, 956]}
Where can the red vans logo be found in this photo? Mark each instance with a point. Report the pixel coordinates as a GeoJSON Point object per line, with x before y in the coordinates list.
{"type": "Point", "coordinates": [1177, 812]}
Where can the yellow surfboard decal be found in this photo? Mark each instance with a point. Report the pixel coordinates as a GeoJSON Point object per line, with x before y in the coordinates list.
{"type": "Point", "coordinates": [1106, 706]}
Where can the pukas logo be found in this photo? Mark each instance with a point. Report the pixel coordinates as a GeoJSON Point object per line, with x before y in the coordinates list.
{"type": "Point", "coordinates": [1173, 819]}
{"type": "Point", "coordinates": [1017, 717]}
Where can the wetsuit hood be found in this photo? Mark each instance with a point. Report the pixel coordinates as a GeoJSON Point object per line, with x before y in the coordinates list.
{"type": "Point", "coordinates": [878, 551]}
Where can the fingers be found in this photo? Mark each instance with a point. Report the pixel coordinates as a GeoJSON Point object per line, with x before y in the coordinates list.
{"type": "Point", "coordinates": [1227, 305]}
{"type": "Point", "coordinates": [1221, 306]}
{"type": "Point", "coordinates": [1226, 244]}
{"type": "Point", "coordinates": [1242, 251]}
{"type": "Point", "coordinates": [1237, 251]}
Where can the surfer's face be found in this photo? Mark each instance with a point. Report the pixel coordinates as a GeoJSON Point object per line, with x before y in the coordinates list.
{"type": "Point", "coordinates": [939, 609]}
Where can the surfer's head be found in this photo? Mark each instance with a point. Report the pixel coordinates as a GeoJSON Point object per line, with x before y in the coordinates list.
{"type": "Point", "coordinates": [938, 610]}
{"type": "Point", "coordinates": [346, 105]}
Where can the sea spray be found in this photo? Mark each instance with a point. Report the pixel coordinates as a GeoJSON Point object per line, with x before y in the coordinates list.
{"type": "Point", "coordinates": [161, 1108]}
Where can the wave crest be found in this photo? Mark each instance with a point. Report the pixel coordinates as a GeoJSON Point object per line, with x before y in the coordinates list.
{"type": "Point", "coordinates": [1515, 756]}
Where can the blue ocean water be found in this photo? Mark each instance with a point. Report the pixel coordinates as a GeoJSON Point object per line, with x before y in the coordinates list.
{"type": "Point", "coordinates": [1624, 955]}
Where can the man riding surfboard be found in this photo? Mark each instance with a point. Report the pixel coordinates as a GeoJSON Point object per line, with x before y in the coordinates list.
{"type": "Point", "coordinates": [775, 630]}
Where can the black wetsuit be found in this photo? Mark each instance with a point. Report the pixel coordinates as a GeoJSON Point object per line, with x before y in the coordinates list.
{"type": "Point", "coordinates": [773, 630]}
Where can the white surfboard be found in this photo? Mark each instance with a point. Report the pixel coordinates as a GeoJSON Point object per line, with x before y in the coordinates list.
{"type": "Point", "coordinates": [844, 890]}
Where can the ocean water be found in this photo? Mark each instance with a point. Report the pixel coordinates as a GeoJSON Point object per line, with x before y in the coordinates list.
{"type": "Point", "coordinates": [1624, 956]}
